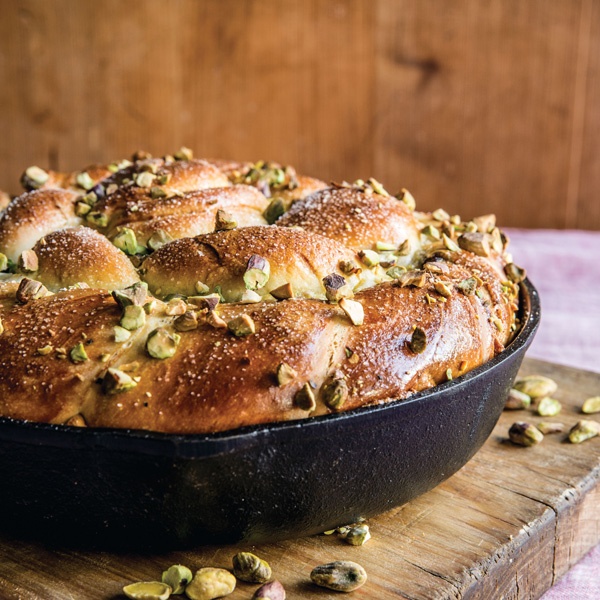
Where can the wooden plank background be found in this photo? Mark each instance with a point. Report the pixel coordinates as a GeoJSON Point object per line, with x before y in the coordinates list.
{"type": "Point", "coordinates": [475, 106]}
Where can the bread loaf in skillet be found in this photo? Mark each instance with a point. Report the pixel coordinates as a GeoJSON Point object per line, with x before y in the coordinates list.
{"type": "Point", "coordinates": [197, 296]}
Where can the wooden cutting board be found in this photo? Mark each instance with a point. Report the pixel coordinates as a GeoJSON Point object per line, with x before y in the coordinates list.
{"type": "Point", "coordinates": [508, 525]}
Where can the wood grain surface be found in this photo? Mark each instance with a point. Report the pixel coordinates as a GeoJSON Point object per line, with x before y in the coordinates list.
{"type": "Point", "coordinates": [507, 525]}
{"type": "Point", "coordinates": [474, 106]}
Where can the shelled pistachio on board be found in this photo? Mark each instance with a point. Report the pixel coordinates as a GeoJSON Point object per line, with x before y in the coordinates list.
{"type": "Point", "coordinates": [209, 583]}
{"type": "Point", "coordinates": [355, 534]}
{"type": "Point", "coordinates": [537, 389]}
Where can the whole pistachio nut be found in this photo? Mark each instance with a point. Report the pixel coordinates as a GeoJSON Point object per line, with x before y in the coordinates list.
{"type": "Point", "coordinates": [583, 430]}
{"type": "Point", "coordinates": [161, 343]}
{"type": "Point", "coordinates": [536, 386]}
{"type": "Point", "coordinates": [547, 427]}
{"type": "Point", "coordinates": [249, 567]}
{"type": "Point", "coordinates": [517, 400]}
{"type": "Point", "coordinates": [147, 590]}
{"type": "Point", "coordinates": [525, 434]}
{"type": "Point", "coordinates": [177, 577]}
{"type": "Point", "coordinates": [591, 406]}
{"type": "Point", "coordinates": [270, 591]}
{"type": "Point", "coordinates": [341, 576]}
{"type": "Point", "coordinates": [134, 317]}
{"type": "Point", "coordinates": [210, 583]}
{"type": "Point", "coordinates": [548, 407]}
{"type": "Point", "coordinates": [257, 272]}
{"type": "Point", "coordinates": [357, 535]}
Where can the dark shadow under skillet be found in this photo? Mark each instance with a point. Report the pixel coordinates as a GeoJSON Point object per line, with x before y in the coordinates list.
{"type": "Point", "coordinates": [134, 489]}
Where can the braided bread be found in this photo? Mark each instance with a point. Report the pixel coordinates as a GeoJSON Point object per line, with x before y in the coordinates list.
{"type": "Point", "coordinates": [196, 296]}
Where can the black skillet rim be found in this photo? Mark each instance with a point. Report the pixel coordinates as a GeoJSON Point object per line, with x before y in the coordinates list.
{"type": "Point", "coordinates": [208, 445]}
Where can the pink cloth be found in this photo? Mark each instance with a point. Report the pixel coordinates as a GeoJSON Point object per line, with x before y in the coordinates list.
{"type": "Point", "coordinates": [565, 268]}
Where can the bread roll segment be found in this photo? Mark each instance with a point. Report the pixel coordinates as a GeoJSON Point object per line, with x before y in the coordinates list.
{"type": "Point", "coordinates": [154, 295]}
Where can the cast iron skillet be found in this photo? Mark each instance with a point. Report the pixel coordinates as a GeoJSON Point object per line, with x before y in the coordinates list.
{"type": "Point", "coordinates": [124, 488]}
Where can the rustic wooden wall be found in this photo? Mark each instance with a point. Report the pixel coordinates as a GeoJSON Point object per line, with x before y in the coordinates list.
{"type": "Point", "coordinates": [475, 105]}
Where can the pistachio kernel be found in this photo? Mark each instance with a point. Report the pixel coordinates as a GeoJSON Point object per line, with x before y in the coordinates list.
{"type": "Point", "coordinates": [283, 292]}
{"type": "Point", "coordinates": [121, 334]}
{"type": "Point", "coordinates": [357, 535]}
{"type": "Point", "coordinates": [536, 386]}
{"type": "Point", "coordinates": [177, 577]}
{"type": "Point", "coordinates": [201, 288]}
{"type": "Point", "coordinates": [83, 180]}
{"type": "Point", "coordinates": [285, 374]}
{"type": "Point", "coordinates": [134, 317]}
{"type": "Point", "coordinates": [304, 398]}
{"type": "Point", "coordinates": [341, 576]}
{"type": "Point", "coordinates": [396, 272]}
{"type": "Point", "coordinates": [78, 353]}
{"type": "Point", "coordinates": [208, 302]}
{"type": "Point", "coordinates": [336, 287]}
{"type": "Point", "coordinates": [175, 307]}
{"type": "Point", "coordinates": [275, 210]}
{"type": "Point", "coordinates": [159, 239]}
{"type": "Point", "coordinates": [3, 262]}
{"type": "Point", "coordinates": [403, 248]}
{"type": "Point", "coordinates": [30, 290]}
{"type": "Point", "coordinates": [116, 381]}
{"type": "Point", "coordinates": [249, 567]}
{"type": "Point", "coordinates": [440, 215]}
{"type": "Point", "coordinates": [354, 311]}
{"type": "Point", "coordinates": [1, 326]}
{"type": "Point", "coordinates": [583, 430]}
{"type": "Point", "coordinates": [162, 344]}
{"type": "Point", "coordinates": [548, 428]}
{"type": "Point", "coordinates": [385, 247]}
{"type": "Point", "coordinates": [517, 400]}
{"type": "Point", "coordinates": [34, 177]}
{"type": "Point", "coordinates": [524, 434]}
{"type": "Point", "coordinates": [270, 591]}
{"type": "Point", "coordinates": [548, 407]}
{"type": "Point", "coordinates": [97, 218]}
{"type": "Point", "coordinates": [418, 341]}
{"type": "Point", "coordinates": [214, 320]}
{"type": "Point", "coordinates": [591, 406]}
{"type": "Point", "coordinates": [450, 244]}
{"type": "Point", "coordinates": [431, 232]}
{"type": "Point", "coordinates": [442, 289]}
{"type": "Point", "coordinates": [147, 590]}
{"type": "Point", "coordinates": [183, 154]}
{"type": "Point", "coordinates": [485, 223]}
{"type": "Point", "coordinates": [45, 350]}
{"type": "Point", "coordinates": [145, 179]}
{"type": "Point", "coordinates": [250, 297]}
{"type": "Point", "coordinates": [209, 583]}
{"type": "Point", "coordinates": [188, 321]}
{"type": "Point", "coordinates": [136, 294]}
{"type": "Point", "coordinates": [76, 421]}
{"type": "Point", "coordinates": [242, 326]}
{"type": "Point", "coordinates": [497, 241]}
{"type": "Point", "coordinates": [468, 286]}
{"type": "Point", "coordinates": [514, 273]}
{"type": "Point", "coordinates": [407, 198]}
{"type": "Point", "coordinates": [257, 272]}
{"type": "Point", "coordinates": [413, 278]}
{"type": "Point", "coordinates": [28, 261]}
{"type": "Point", "coordinates": [334, 392]}
{"type": "Point", "coordinates": [82, 209]}
{"type": "Point", "coordinates": [369, 258]}
{"type": "Point", "coordinates": [224, 221]}
{"type": "Point", "coordinates": [126, 241]}
{"type": "Point", "coordinates": [475, 242]}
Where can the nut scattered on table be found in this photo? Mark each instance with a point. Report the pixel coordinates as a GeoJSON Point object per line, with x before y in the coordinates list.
{"type": "Point", "coordinates": [547, 427]}
{"type": "Point", "coordinates": [525, 434]}
{"type": "Point", "coordinates": [147, 590]}
{"type": "Point", "coordinates": [341, 576]}
{"type": "Point", "coordinates": [583, 430]}
{"type": "Point", "coordinates": [548, 407]}
{"type": "Point", "coordinates": [517, 400]}
{"type": "Point", "coordinates": [536, 386]}
{"type": "Point", "coordinates": [270, 591]}
{"type": "Point", "coordinates": [249, 567]}
{"type": "Point", "coordinates": [591, 406]}
{"type": "Point", "coordinates": [177, 577]}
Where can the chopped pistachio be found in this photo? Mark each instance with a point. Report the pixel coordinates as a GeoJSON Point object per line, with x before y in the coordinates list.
{"type": "Point", "coordinates": [583, 430]}
{"type": "Point", "coordinates": [407, 198]}
{"type": "Point", "coordinates": [133, 317]}
{"type": "Point", "coordinates": [78, 353]}
{"type": "Point", "coordinates": [351, 356]}
{"type": "Point", "coordinates": [136, 294]}
{"type": "Point", "coordinates": [28, 261]}
{"type": "Point", "coordinates": [144, 179]}
{"type": "Point", "coordinates": [147, 590]}
{"type": "Point", "coordinates": [283, 292]}
{"type": "Point", "coordinates": [485, 223]}
{"type": "Point", "coordinates": [83, 180]}
{"type": "Point", "coordinates": [396, 272]}
{"type": "Point", "coordinates": [275, 210]}
{"type": "Point", "coordinates": [150, 306]}
{"type": "Point", "coordinates": [497, 241]}
{"type": "Point", "coordinates": [156, 192]}
{"type": "Point", "coordinates": [285, 374]}
{"type": "Point", "coordinates": [30, 290]}
{"type": "Point", "coordinates": [354, 310]}
{"type": "Point", "coordinates": [536, 386]}
{"type": "Point", "coordinates": [384, 247]}
{"type": "Point", "coordinates": [525, 434]}
{"type": "Point", "coordinates": [336, 287]}
{"type": "Point", "coordinates": [121, 334]}
{"type": "Point", "coordinates": [116, 381]}
{"type": "Point", "coordinates": [175, 307]}
{"type": "Point", "coordinates": [45, 350]}
{"type": "Point", "coordinates": [475, 242]}
{"type": "Point", "coordinates": [76, 421]}
{"type": "Point", "coordinates": [418, 341]}
{"type": "Point", "coordinates": [34, 177]}
{"type": "Point", "coordinates": [450, 244]}
{"type": "Point", "coordinates": [249, 567]}
{"type": "Point", "coordinates": [304, 398]}
{"type": "Point", "coordinates": [224, 221]}
{"type": "Point", "coordinates": [369, 258]}
{"type": "Point", "coordinates": [357, 535]}
{"type": "Point", "coordinates": [209, 583]}
{"type": "Point", "coordinates": [449, 375]}
{"type": "Point", "coordinates": [548, 407]}
{"type": "Point", "coordinates": [442, 289]}
{"type": "Point", "coordinates": [183, 154]}
{"type": "Point", "coordinates": [547, 428]}
{"type": "Point", "coordinates": [161, 343]}
{"type": "Point", "coordinates": [430, 299]}
{"type": "Point", "coordinates": [177, 577]}
{"type": "Point", "coordinates": [348, 267]}
{"type": "Point", "coordinates": [257, 272]}
{"type": "Point", "coordinates": [497, 322]}
{"type": "Point", "coordinates": [431, 232]}
{"type": "Point", "coordinates": [403, 248]}
{"type": "Point", "coordinates": [517, 400]}
{"type": "Point", "coordinates": [273, 590]}
{"type": "Point", "coordinates": [440, 215]}
{"type": "Point", "coordinates": [242, 326]}
{"type": "Point", "coordinates": [468, 286]}
{"type": "Point", "coordinates": [250, 297]}
{"type": "Point", "coordinates": [126, 241]}
{"type": "Point", "coordinates": [158, 239]}
{"type": "Point", "coordinates": [335, 392]}
{"type": "Point", "coordinates": [214, 320]}
{"type": "Point", "coordinates": [591, 406]}
{"type": "Point", "coordinates": [82, 209]}
{"type": "Point", "coordinates": [341, 576]}
{"type": "Point", "coordinates": [163, 178]}
{"type": "Point", "coordinates": [3, 262]}
{"type": "Point", "coordinates": [97, 218]}
{"type": "Point", "coordinates": [188, 321]}
{"type": "Point", "coordinates": [201, 288]}
{"type": "Point", "coordinates": [514, 273]}
{"type": "Point", "coordinates": [436, 267]}
{"type": "Point", "coordinates": [209, 302]}
{"type": "Point", "coordinates": [413, 278]}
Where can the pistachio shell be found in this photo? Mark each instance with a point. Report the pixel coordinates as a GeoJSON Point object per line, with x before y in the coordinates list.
{"type": "Point", "coordinates": [210, 583]}
{"type": "Point", "coordinates": [147, 590]}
